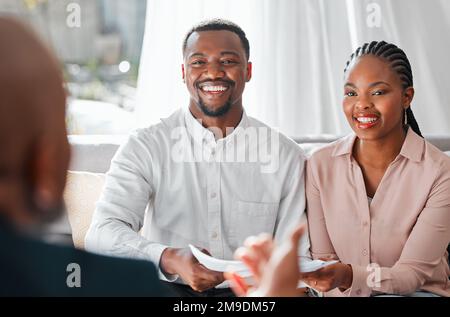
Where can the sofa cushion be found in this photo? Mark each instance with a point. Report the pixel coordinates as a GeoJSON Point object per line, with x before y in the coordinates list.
{"type": "Point", "coordinates": [82, 191]}
{"type": "Point", "coordinates": [93, 153]}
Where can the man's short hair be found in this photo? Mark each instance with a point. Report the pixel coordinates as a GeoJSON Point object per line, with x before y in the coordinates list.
{"type": "Point", "coordinates": [219, 25]}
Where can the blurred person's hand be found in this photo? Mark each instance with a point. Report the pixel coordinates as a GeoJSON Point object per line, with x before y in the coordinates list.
{"type": "Point", "coordinates": [275, 269]}
{"type": "Point", "coordinates": [183, 263]}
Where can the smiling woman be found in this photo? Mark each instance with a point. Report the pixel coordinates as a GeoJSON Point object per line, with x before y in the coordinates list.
{"type": "Point", "coordinates": [399, 212]}
{"type": "Point", "coordinates": [385, 189]}
{"type": "Point", "coordinates": [386, 62]}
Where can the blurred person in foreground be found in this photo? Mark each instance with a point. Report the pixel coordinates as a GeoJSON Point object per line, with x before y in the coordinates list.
{"type": "Point", "coordinates": [34, 157]}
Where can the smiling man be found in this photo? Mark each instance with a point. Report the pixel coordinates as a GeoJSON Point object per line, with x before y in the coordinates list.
{"type": "Point", "coordinates": [208, 175]}
{"type": "Point", "coordinates": [215, 70]}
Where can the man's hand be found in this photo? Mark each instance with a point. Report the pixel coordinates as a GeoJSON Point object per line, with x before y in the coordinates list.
{"type": "Point", "coordinates": [275, 269]}
{"type": "Point", "coordinates": [183, 263]}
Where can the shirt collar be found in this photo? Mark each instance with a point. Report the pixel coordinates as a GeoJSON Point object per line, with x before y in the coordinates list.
{"type": "Point", "coordinates": [200, 133]}
{"type": "Point", "coordinates": [344, 146]}
{"type": "Point", "coordinates": [413, 147]}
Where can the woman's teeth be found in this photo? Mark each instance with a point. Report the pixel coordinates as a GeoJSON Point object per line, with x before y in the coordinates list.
{"type": "Point", "coordinates": [366, 120]}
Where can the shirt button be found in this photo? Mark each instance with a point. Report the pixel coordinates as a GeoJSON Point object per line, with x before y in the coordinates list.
{"type": "Point", "coordinates": [213, 152]}
{"type": "Point", "coordinates": [213, 195]}
{"type": "Point", "coordinates": [365, 223]}
{"type": "Point", "coordinates": [364, 252]}
{"type": "Point", "coordinates": [214, 235]}
{"type": "Point", "coordinates": [358, 292]}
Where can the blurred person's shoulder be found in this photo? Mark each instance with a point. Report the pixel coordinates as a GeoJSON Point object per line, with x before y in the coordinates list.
{"type": "Point", "coordinates": [36, 268]}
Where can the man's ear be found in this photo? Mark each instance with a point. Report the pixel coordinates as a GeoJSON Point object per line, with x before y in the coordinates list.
{"type": "Point", "coordinates": [408, 97]}
{"type": "Point", "coordinates": [182, 73]}
{"type": "Point", "coordinates": [249, 71]}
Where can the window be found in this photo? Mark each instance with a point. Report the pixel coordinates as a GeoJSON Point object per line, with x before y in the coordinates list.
{"type": "Point", "coordinates": [100, 56]}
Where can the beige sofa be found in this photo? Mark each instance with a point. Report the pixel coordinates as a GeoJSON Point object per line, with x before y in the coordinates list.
{"type": "Point", "coordinates": [91, 156]}
{"type": "Point", "coordinates": [82, 192]}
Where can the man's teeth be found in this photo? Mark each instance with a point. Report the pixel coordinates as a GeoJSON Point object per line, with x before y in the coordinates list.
{"type": "Point", "coordinates": [366, 120]}
{"type": "Point", "coordinates": [214, 88]}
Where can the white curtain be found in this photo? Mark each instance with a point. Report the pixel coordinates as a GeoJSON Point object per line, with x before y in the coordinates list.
{"type": "Point", "coordinates": [299, 49]}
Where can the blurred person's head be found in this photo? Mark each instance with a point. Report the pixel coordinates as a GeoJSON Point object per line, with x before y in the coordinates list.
{"type": "Point", "coordinates": [216, 66]}
{"type": "Point", "coordinates": [34, 151]}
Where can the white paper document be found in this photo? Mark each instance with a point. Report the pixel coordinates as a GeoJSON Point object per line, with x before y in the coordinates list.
{"type": "Point", "coordinates": [306, 264]}
{"type": "Point", "coordinates": [219, 265]}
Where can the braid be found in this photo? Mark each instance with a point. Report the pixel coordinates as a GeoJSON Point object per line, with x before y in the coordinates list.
{"type": "Point", "coordinates": [398, 61]}
{"type": "Point", "coordinates": [411, 121]}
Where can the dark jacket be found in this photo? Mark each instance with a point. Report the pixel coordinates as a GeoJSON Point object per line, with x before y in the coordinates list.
{"type": "Point", "coordinates": [30, 267]}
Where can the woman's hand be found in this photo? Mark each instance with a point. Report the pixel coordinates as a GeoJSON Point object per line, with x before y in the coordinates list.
{"type": "Point", "coordinates": [275, 270]}
{"type": "Point", "coordinates": [336, 275]}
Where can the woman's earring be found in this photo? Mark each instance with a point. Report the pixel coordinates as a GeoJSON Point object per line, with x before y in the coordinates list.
{"type": "Point", "coordinates": [405, 120]}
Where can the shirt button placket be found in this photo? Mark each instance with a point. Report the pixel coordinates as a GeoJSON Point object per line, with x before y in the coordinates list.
{"type": "Point", "coordinates": [366, 242]}
{"type": "Point", "coordinates": [214, 215]}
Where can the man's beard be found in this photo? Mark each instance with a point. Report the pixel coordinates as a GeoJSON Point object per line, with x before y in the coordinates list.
{"type": "Point", "coordinates": [222, 110]}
